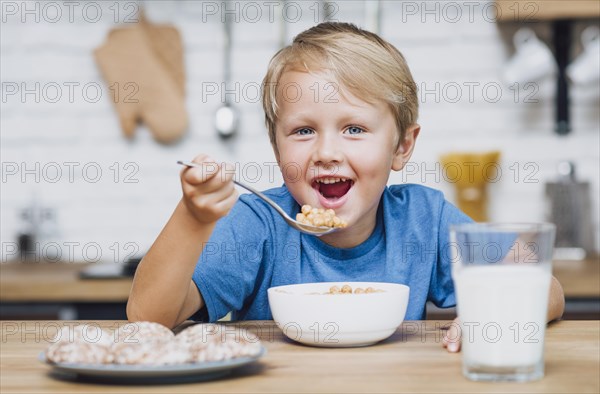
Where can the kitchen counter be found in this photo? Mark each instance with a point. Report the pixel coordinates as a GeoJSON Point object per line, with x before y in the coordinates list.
{"type": "Point", "coordinates": [58, 282]}
{"type": "Point", "coordinates": [411, 360]}
{"type": "Point", "coordinates": [579, 279]}
{"type": "Point", "coordinates": [56, 291]}
{"type": "Point", "coordinates": [46, 282]}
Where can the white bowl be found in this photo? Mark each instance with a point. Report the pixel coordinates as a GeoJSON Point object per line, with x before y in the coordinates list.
{"type": "Point", "coordinates": [338, 320]}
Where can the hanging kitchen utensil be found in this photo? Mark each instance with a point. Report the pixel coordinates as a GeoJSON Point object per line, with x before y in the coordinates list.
{"type": "Point", "coordinates": [282, 27]}
{"type": "Point", "coordinates": [227, 116]}
{"type": "Point", "coordinates": [325, 5]}
{"type": "Point", "coordinates": [569, 207]}
{"type": "Point", "coordinates": [142, 64]}
{"type": "Point", "coordinates": [373, 16]}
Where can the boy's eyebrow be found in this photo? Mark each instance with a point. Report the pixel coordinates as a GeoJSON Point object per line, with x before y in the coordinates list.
{"type": "Point", "coordinates": [360, 114]}
{"type": "Point", "coordinates": [296, 117]}
{"type": "Point", "coordinates": [344, 120]}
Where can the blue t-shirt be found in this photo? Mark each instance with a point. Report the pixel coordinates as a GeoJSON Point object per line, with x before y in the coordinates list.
{"type": "Point", "coordinates": [253, 249]}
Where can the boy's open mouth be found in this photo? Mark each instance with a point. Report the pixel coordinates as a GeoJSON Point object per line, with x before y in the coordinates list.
{"type": "Point", "coordinates": [332, 188]}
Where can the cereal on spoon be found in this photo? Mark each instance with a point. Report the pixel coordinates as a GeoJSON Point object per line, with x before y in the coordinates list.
{"type": "Point", "coordinates": [319, 217]}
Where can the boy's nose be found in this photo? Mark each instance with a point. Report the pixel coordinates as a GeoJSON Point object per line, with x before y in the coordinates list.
{"type": "Point", "coordinates": [327, 151]}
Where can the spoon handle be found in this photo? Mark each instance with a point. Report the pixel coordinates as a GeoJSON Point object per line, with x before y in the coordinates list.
{"type": "Point", "coordinates": [272, 203]}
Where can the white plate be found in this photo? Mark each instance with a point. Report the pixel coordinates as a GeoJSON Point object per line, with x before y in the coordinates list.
{"type": "Point", "coordinates": [191, 371]}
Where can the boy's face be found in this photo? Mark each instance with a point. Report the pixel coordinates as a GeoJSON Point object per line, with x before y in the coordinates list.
{"type": "Point", "coordinates": [336, 151]}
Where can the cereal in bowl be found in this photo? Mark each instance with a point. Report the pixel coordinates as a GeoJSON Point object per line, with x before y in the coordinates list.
{"type": "Point", "coordinates": [347, 289]}
{"type": "Point", "coordinates": [319, 217]}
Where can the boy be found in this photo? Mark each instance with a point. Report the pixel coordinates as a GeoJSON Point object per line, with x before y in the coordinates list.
{"type": "Point", "coordinates": [341, 109]}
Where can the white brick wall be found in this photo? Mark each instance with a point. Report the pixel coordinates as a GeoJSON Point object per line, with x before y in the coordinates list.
{"type": "Point", "coordinates": [113, 211]}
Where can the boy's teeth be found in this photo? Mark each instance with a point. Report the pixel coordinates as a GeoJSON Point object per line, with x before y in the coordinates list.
{"type": "Point", "coordinates": [329, 180]}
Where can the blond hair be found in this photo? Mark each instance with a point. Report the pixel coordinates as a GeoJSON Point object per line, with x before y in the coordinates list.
{"type": "Point", "coordinates": [361, 61]}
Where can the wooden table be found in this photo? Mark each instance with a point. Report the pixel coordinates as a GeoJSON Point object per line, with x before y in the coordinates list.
{"type": "Point", "coordinates": [412, 360]}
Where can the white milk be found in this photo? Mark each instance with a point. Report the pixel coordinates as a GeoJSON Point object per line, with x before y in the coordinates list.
{"type": "Point", "coordinates": [503, 313]}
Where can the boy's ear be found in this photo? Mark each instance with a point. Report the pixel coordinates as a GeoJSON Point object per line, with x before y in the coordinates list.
{"type": "Point", "coordinates": [405, 149]}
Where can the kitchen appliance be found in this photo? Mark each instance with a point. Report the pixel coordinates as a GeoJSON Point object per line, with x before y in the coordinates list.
{"type": "Point", "coordinates": [38, 232]}
{"type": "Point", "coordinates": [569, 207]}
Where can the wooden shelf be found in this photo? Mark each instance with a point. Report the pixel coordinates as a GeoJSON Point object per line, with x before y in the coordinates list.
{"type": "Point", "coordinates": [546, 10]}
{"type": "Point", "coordinates": [561, 14]}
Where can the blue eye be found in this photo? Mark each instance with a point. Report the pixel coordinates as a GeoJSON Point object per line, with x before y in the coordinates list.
{"type": "Point", "coordinates": [354, 130]}
{"type": "Point", "coordinates": [303, 131]}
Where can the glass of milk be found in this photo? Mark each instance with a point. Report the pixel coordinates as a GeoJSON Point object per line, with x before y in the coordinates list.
{"type": "Point", "coordinates": [502, 274]}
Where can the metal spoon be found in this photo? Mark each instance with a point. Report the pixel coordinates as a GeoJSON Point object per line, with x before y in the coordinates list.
{"type": "Point", "coordinates": [305, 228]}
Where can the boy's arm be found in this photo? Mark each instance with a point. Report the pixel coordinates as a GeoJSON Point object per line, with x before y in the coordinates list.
{"type": "Point", "coordinates": [556, 301]}
{"type": "Point", "coordinates": [163, 290]}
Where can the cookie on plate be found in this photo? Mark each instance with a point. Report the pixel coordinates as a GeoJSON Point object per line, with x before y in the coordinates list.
{"type": "Point", "coordinates": [82, 344]}
{"type": "Point", "coordinates": [217, 342]}
{"type": "Point", "coordinates": [142, 331]}
{"type": "Point", "coordinates": [150, 352]}
{"type": "Point", "coordinates": [145, 343]}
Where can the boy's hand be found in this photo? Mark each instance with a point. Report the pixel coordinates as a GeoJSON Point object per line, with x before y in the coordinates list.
{"type": "Point", "coordinates": [208, 192]}
{"type": "Point", "coordinates": [452, 337]}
